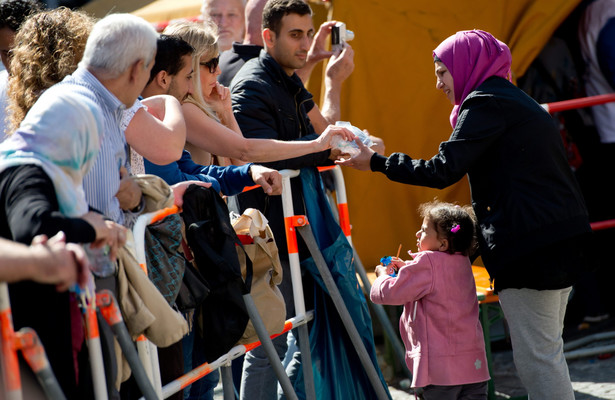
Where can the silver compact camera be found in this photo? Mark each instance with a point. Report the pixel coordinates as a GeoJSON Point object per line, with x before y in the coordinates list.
{"type": "Point", "coordinates": [339, 36]}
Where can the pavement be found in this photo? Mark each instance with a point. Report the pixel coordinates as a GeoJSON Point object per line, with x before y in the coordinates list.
{"type": "Point", "coordinates": [592, 376]}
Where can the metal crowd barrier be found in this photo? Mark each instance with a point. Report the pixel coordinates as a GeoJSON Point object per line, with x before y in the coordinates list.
{"type": "Point", "coordinates": [292, 222]}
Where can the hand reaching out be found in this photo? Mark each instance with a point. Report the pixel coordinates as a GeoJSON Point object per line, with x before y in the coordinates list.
{"type": "Point", "coordinates": [326, 139]}
{"type": "Point", "coordinates": [269, 179]}
{"type": "Point", "coordinates": [360, 161]}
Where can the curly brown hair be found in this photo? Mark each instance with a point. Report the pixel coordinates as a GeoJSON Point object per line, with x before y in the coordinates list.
{"type": "Point", "coordinates": [455, 223]}
{"type": "Point", "coordinates": [48, 46]}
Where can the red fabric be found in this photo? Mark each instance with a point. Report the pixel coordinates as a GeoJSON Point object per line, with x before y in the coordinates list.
{"type": "Point", "coordinates": [77, 332]}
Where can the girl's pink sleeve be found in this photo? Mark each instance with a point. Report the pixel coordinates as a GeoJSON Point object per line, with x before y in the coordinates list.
{"type": "Point", "coordinates": [413, 281]}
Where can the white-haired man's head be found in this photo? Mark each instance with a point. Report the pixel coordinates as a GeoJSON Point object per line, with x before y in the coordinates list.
{"type": "Point", "coordinates": [228, 15]}
{"type": "Point", "coordinates": [117, 42]}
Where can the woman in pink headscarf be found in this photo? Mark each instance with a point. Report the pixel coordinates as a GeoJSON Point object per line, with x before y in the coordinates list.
{"type": "Point", "coordinates": [532, 217]}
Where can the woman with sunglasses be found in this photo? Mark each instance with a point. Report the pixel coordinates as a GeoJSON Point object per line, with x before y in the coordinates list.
{"type": "Point", "coordinates": [213, 135]}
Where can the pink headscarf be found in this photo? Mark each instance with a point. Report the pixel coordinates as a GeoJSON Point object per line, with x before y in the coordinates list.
{"type": "Point", "coordinates": [472, 57]}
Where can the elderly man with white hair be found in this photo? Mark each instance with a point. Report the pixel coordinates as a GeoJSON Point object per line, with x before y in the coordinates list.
{"type": "Point", "coordinates": [228, 15]}
{"type": "Point", "coordinates": [118, 57]}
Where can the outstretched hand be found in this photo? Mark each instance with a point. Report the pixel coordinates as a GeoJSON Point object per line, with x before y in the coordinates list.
{"type": "Point", "coordinates": [360, 161]}
{"type": "Point", "coordinates": [332, 133]}
{"type": "Point", "coordinates": [269, 179]}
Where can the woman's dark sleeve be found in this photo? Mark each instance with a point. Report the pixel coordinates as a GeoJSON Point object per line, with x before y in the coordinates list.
{"type": "Point", "coordinates": [481, 123]}
{"type": "Point", "coordinates": [31, 207]}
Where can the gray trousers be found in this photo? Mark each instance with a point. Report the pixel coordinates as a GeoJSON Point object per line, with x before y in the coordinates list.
{"type": "Point", "coordinates": [536, 321]}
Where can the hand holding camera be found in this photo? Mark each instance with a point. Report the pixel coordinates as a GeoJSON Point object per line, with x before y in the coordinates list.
{"type": "Point", "coordinates": [339, 36]}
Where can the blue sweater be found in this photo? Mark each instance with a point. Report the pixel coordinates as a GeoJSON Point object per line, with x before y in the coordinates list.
{"type": "Point", "coordinates": [228, 180]}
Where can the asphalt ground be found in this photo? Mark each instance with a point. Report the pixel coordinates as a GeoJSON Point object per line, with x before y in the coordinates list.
{"type": "Point", "coordinates": [592, 376]}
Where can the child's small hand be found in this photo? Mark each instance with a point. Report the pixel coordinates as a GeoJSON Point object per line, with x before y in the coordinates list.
{"type": "Point", "coordinates": [380, 270]}
{"type": "Point", "coordinates": [396, 264]}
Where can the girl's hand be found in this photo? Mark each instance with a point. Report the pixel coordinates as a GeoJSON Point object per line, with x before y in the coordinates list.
{"type": "Point", "coordinates": [381, 270]}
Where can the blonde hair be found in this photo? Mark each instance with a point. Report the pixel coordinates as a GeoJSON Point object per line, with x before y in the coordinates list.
{"type": "Point", "coordinates": [48, 46]}
{"type": "Point", "coordinates": [203, 37]}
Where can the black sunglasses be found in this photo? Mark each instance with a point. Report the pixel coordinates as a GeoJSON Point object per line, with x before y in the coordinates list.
{"type": "Point", "coordinates": [212, 64]}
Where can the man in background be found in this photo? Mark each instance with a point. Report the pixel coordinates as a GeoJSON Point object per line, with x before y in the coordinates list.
{"type": "Point", "coordinates": [228, 16]}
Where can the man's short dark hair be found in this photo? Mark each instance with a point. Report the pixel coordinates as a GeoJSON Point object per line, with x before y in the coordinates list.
{"type": "Point", "coordinates": [169, 53]}
{"type": "Point", "coordinates": [275, 10]}
{"type": "Point", "coordinates": [14, 12]}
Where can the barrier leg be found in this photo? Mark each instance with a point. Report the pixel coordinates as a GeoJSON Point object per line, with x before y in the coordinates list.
{"type": "Point", "coordinates": [272, 354]}
{"type": "Point", "coordinates": [110, 311]}
{"type": "Point", "coordinates": [228, 388]}
{"type": "Point", "coordinates": [34, 354]}
{"type": "Point", "coordinates": [290, 222]}
{"type": "Point", "coordinates": [366, 361]}
{"type": "Point", "coordinates": [10, 363]}
{"type": "Point", "coordinates": [95, 353]}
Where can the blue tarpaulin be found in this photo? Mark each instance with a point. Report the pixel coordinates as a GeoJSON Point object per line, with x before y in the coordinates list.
{"type": "Point", "coordinates": [338, 372]}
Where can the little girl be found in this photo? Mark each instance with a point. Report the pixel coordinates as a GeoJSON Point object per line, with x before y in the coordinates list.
{"type": "Point", "coordinates": [440, 327]}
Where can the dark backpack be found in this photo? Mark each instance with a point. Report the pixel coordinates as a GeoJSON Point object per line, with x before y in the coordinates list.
{"type": "Point", "coordinates": [222, 317]}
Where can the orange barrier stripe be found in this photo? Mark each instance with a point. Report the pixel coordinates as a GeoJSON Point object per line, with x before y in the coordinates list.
{"type": "Point", "coordinates": [165, 212]}
{"type": "Point", "coordinates": [108, 308]}
{"type": "Point", "coordinates": [291, 236]}
{"type": "Point", "coordinates": [190, 378]}
{"type": "Point", "coordinates": [599, 225]}
{"type": "Point", "coordinates": [9, 355]}
{"type": "Point", "coordinates": [344, 218]}
{"type": "Point", "coordinates": [32, 349]}
{"type": "Point", "coordinates": [91, 324]}
{"type": "Point", "coordinates": [141, 338]}
{"type": "Point", "coordinates": [248, 188]}
{"type": "Point", "coordinates": [320, 169]}
{"type": "Point", "coordinates": [580, 103]}
{"type": "Point", "coordinates": [143, 267]}
{"type": "Point", "coordinates": [287, 327]}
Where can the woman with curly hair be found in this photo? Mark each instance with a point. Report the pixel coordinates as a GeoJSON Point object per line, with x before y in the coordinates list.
{"type": "Point", "coordinates": [48, 47]}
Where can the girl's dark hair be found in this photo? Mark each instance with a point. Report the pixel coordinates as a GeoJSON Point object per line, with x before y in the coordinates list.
{"type": "Point", "coordinates": [455, 223]}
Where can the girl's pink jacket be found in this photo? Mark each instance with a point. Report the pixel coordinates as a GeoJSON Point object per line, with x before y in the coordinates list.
{"type": "Point", "coordinates": [439, 325]}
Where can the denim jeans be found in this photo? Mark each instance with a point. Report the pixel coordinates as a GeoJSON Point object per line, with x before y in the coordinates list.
{"type": "Point", "coordinates": [203, 389]}
{"type": "Point", "coordinates": [259, 381]}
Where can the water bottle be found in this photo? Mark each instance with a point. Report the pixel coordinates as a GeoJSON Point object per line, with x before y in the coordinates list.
{"type": "Point", "coordinates": [100, 261]}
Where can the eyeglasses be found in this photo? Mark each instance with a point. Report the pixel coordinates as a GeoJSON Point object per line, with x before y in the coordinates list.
{"type": "Point", "coordinates": [212, 64]}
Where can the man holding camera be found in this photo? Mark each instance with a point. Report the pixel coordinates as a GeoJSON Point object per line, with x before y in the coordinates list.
{"type": "Point", "coordinates": [270, 102]}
